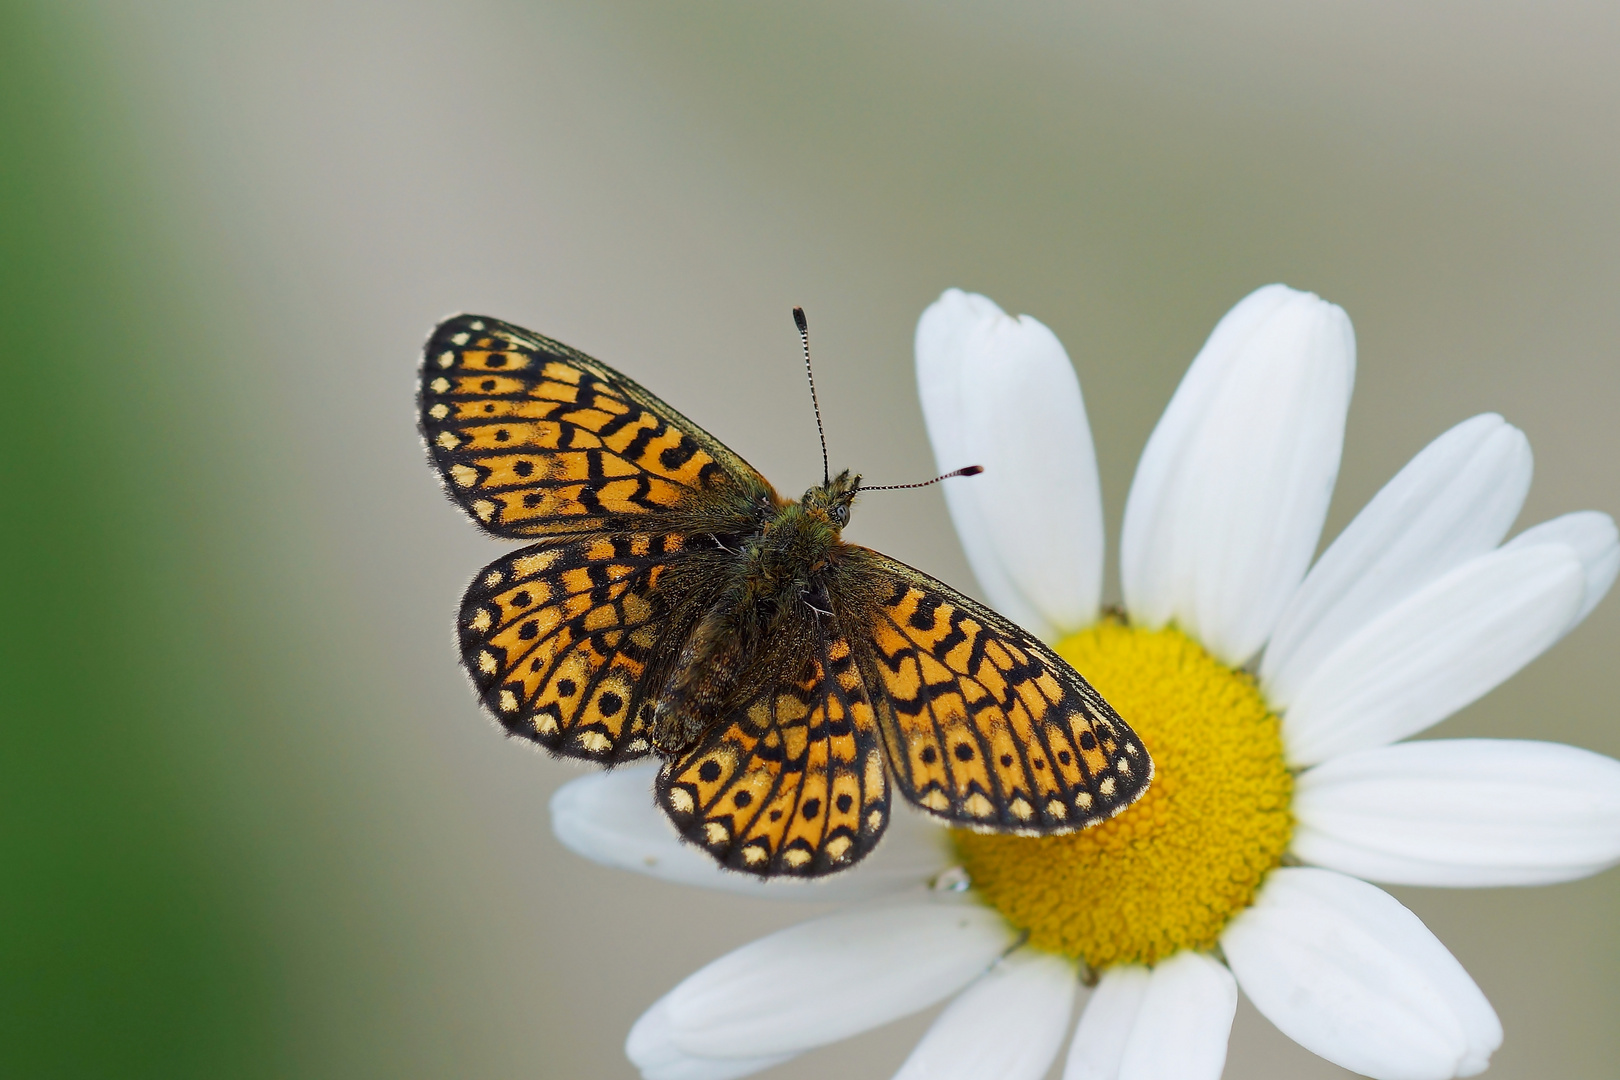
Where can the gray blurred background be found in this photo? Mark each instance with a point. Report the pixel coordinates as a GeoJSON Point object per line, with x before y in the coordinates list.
{"type": "Point", "coordinates": [259, 825]}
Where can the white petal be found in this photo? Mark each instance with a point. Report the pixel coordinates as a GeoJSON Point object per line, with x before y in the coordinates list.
{"type": "Point", "coordinates": [1185, 1021]}
{"type": "Point", "coordinates": [1348, 973]}
{"type": "Point", "coordinates": [1008, 1024]}
{"type": "Point", "coordinates": [1000, 392]}
{"type": "Point", "coordinates": [1106, 1025]}
{"type": "Point", "coordinates": [650, 1049]}
{"type": "Point", "coordinates": [942, 333]}
{"type": "Point", "coordinates": [1593, 536]}
{"type": "Point", "coordinates": [1233, 486]}
{"type": "Point", "coordinates": [1172, 1023]}
{"type": "Point", "coordinates": [833, 977]}
{"type": "Point", "coordinates": [610, 818]}
{"type": "Point", "coordinates": [1039, 494]}
{"type": "Point", "coordinates": [1436, 651]}
{"type": "Point", "coordinates": [1461, 812]}
{"type": "Point", "coordinates": [1455, 500]}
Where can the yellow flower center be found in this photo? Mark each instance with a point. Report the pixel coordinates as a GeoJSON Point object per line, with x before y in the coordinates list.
{"type": "Point", "coordinates": [1168, 873]}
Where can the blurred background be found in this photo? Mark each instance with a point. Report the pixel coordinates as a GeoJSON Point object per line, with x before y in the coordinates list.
{"type": "Point", "coordinates": [254, 823]}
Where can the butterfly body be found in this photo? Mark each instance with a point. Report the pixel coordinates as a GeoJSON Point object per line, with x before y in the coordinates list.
{"type": "Point", "coordinates": [673, 604]}
{"type": "Point", "coordinates": [777, 572]}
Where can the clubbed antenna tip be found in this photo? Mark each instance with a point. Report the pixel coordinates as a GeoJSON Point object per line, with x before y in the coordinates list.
{"type": "Point", "coordinates": [804, 336]}
{"type": "Point", "coordinates": [970, 470]}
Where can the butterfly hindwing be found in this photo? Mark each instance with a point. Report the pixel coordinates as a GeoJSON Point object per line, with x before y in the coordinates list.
{"type": "Point", "coordinates": [791, 782]}
{"type": "Point", "coordinates": [559, 639]}
{"type": "Point", "coordinates": [533, 438]}
{"type": "Point", "coordinates": [983, 724]}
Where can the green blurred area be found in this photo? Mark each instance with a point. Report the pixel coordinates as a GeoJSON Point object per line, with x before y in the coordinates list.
{"type": "Point", "coordinates": [253, 821]}
{"type": "Point", "coordinates": [125, 948]}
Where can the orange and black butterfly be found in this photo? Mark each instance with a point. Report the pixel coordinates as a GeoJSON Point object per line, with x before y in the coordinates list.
{"type": "Point", "coordinates": [670, 602]}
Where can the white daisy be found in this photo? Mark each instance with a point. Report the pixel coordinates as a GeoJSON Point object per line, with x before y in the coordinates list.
{"type": "Point", "coordinates": [1278, 794]}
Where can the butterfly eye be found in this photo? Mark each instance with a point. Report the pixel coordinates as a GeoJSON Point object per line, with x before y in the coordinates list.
{"type": "Point", "coordinates": [840, 514]}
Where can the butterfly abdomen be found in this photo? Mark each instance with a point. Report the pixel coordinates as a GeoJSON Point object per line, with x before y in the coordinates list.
{"type": "Point", "coordinates": [773, 575]}
{"type": "Point", "coordinates": [703, 676]}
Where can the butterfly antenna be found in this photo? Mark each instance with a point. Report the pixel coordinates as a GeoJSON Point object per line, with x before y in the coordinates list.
{"type": "Point", "coordinates": [971, 470]}
{"type": "Point", "coordinates": [804, 337]}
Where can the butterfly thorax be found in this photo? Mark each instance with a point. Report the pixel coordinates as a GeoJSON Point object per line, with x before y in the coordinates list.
{"type": "Point", "coordinates": [778, 570]}
{"type": "Point", "coordinates": [799, 537]}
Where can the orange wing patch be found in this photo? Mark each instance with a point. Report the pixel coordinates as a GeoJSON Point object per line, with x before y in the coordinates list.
{"type": "Point", "coordinates": [984, 726]}
{"type": "Point", "coordinates": [535, 439]}
{"type": "Point", "coordinates": [793, 782]}
{"type": "Point", "coordinates": [558, 639]}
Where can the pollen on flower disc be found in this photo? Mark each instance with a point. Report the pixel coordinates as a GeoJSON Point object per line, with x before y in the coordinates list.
{"type": "Point", "coordinates": [1168, 873]}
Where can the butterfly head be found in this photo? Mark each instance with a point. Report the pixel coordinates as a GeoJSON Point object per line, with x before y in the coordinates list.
{"type": "Point", "coordinates": [832, 499]}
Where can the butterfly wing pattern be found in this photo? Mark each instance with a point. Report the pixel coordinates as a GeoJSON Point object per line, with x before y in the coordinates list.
{"type": "Point", "coordinates": [983, 724]}
{"type": "Point", "coordinates": [793, 781]}
{"type": "Point", "coordinates": [643, 531]}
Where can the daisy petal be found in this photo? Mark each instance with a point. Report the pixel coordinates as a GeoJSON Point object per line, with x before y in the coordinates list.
{"type": "Point", "coordinates": [650, 1049]}
{"type": "Point", "coordinates": [1340, 967]}
{"type": "Point", "coordinates": [1455, 500]}
{"type": "Point", "coordinates": [1185, 1021]}
{"type": "Point", "coordinates": [1106, 1025]}
{"type": "Point", "coordinates": [1000, 392]}
{"type": "Point", "coordinates": [1172, 1023]}
{"type": "Point", "coordinates": [1009, 1023]}
{"type": "Point", "coordinates": [1593, 536]}
{"type": "Point", "coordinates": [942, 333]}
{"type": "Point", "coordinates": [1435, 651]}
{"type": "Point", "coordinates": [1461, 812]}
{"type": "Point", "coordinates": [1039, 494]}
{"type": "Point", "coordinates": [1233, 486]}
{"type": "Point", "coordinates": [610, 818]}
{"type": "Point", "coordinates": [833, 977]}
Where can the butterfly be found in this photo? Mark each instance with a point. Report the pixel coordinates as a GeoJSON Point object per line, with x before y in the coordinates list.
{"type": "Point", "coordinates": [671, 603]}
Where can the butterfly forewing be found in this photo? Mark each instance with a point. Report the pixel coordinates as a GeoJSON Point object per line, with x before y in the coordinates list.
{"type": "Point", "coordinates": [534, 438]}
{"type": "Point", "coordinates": [559, 640]}
{"type": "Point", "coordinates": [983, 724]}
{"type": "Point", "coordinates": [792, 782]}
